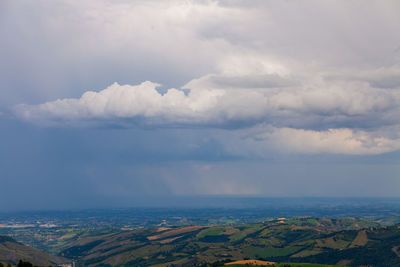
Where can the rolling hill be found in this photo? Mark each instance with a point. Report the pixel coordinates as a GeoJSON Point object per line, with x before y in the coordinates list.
{"type": "Point", "coordinates": [12, 251]}
{"type": "Point", "coordinates": [327, 241]}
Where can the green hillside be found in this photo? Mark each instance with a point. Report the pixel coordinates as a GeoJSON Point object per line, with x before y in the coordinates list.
{"type": "Point", "coordinates": [297, 240]}
{"type": "Point", "coordinates": [12, 251]}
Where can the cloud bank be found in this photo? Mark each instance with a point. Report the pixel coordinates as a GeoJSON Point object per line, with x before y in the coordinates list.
{"type": "Point", "coordinates": [314, 114]}
{"type": "Point", "coordinates": [309, 82]}
{"type": "Point", "coordinates": [319, 103]}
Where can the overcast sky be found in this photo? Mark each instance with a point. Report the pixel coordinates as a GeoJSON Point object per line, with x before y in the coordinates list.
{"type": "Point", "coordinates": [103, 102]}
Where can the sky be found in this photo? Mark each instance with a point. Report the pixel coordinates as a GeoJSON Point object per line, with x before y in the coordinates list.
{"type": "Point", "coordinates": [114, 103]}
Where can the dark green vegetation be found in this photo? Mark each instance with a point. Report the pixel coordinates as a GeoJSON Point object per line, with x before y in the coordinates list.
{"type": "Point", "coordinates": [52, 231]}
{"type": "Point", "coordinates": [12, 252]}
{"type": "Point", "coordinates": [341, 242]}
{"type": "Point", "coordinates": [329, 241]}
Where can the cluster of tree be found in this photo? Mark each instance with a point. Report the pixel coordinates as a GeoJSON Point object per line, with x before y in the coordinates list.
{"type": "Point", "coordinates": [21, 263]}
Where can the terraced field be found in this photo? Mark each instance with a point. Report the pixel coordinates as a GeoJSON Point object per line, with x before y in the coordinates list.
{"type": "Point", "coordinates": [311, 240]}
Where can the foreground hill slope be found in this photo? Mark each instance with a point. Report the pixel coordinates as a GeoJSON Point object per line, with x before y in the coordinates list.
{"type": "Point", "coordinates": [373, 247]}
{"type": "Point", "coordinates": [300, 240]}
{"type": "Point", "coordinates": [12, 251]}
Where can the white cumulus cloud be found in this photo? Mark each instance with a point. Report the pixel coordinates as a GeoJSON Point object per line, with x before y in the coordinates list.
{"type": "Point", "coordinates": [316, 73]}
{"type": "Point", "coordinates": [335, 141]}
{"type": "Point", "coordinates": [302, 102]}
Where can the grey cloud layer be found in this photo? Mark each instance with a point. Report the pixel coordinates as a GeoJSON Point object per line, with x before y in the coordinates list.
{"type": "Point", "coordinates": [80, 45]}
{"type": "Point", "coordinates": [320, 73]}
{"type": "Point", "coordinates": [348, 114]}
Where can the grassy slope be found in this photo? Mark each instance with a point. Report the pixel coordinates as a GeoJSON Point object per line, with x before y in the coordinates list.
{"type": "Point", "coordinates": [300, 240]}
{"type": "Point", "coordinates": [12, 251]}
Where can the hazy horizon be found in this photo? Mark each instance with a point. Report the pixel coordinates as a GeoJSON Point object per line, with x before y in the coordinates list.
{"type": "Point", "coordinates": [302, 205]}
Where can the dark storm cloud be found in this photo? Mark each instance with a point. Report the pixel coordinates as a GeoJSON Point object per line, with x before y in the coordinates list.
{"type": "Point", "coordinates": [267, 94]}
{"type": "Point", "coordinates": [287, 71]}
